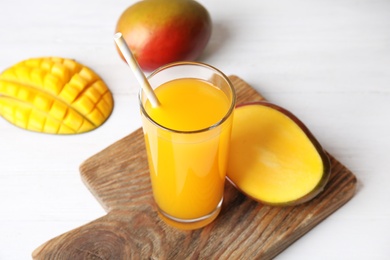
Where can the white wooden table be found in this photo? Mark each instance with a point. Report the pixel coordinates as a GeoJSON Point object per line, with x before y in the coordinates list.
{"type": "Point", "coordinates": [326, 61]}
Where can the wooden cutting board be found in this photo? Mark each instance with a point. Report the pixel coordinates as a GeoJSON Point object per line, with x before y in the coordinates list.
{"type": "Point", "coordinates": [119, 179]}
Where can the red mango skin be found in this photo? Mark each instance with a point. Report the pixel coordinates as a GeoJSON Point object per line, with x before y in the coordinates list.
{"type": "Point", "coordinates": [164, 31]}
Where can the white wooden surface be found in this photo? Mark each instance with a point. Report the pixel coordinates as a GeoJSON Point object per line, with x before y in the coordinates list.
{"type": "Point", "coordinates": [327, 61]}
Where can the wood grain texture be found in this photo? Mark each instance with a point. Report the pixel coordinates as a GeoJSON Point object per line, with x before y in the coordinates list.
{"type": "Point", "coordinates": [118, 177]}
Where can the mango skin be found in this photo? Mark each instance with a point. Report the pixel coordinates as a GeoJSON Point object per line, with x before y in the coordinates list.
{"type": "Point", "coordinates": [54, 95]}
{"type": "Point", "coordinates": [164, 31]}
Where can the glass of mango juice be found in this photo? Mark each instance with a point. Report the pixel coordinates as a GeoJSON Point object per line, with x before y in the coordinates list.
{"type": "Point", "coordinates": [187, 140]}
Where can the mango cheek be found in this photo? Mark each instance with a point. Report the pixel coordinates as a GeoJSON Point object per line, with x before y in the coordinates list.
{"type": "Point", "coordinates": [54, 95]}
{"type": "Point", "coordinates": [274, 159]}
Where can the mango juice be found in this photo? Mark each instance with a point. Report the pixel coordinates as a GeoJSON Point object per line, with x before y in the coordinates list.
{"type": "Point", "coordinates": [187, 141]}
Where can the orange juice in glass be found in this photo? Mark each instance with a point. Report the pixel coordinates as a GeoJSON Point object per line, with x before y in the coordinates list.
{"type": "Point", "coordinates": [187, 141]}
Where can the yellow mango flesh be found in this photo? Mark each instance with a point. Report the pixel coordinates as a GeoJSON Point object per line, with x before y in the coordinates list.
{"type": "Point", "coordinates": [271, 158]}
{"type": "Point", "coordinates": [54, 95]}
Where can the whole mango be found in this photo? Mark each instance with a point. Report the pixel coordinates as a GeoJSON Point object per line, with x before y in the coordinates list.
{"type": "Point", "coordinates": [163, 31]}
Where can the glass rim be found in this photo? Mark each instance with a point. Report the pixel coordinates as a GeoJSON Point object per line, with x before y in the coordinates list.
{"type": "Point", "coordinates": [194, 63]}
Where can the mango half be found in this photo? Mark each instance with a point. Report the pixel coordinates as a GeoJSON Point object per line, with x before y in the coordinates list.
{"type": "Point", "coordinates": [273, 158]}
{"type": "Point", "coordinates": [54, 95]}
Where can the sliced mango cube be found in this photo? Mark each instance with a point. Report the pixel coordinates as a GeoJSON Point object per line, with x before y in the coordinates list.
{"type": "Point", "coordinates": [52, 84]}
{"type": "Point", "coordinates": [36, 121]}
{"type": "Point", "coordinates": [42, 102]}
{"type": "Point", "coordinates": [51, 126]}
{"type": "Point", "coordinates": [69, 93]}
{"type": "Point", "coordinates": [61, 72]}
{"type": "Point", "coordinates": [84, 104]}
{"type": "Point", "coordinates": [58, 110]}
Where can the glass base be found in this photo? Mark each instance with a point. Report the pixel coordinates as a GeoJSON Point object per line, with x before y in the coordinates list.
{"type": "Point", "coordinates": [190, 224]}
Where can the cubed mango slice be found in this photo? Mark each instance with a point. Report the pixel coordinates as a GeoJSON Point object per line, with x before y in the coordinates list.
{"type": "Point", "coordinates": [54, 95]}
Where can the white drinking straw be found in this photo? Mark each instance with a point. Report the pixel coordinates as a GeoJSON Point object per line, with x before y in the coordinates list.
{"type": "Point", "coordinates": [126, 52]}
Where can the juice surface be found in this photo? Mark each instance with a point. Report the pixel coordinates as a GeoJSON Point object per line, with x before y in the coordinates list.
{"type": "Point", "coordinates": [188, 170]}
{"type": "Point", "coordinates": [188, 104]}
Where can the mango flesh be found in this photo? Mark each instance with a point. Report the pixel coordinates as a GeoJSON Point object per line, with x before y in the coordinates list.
{"type": "Point", "coordinates": [273, 158]}
{"type": "Point", "coordinates": [164, 31]}
{"type": "Point", "coordinates": [54, 95]}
